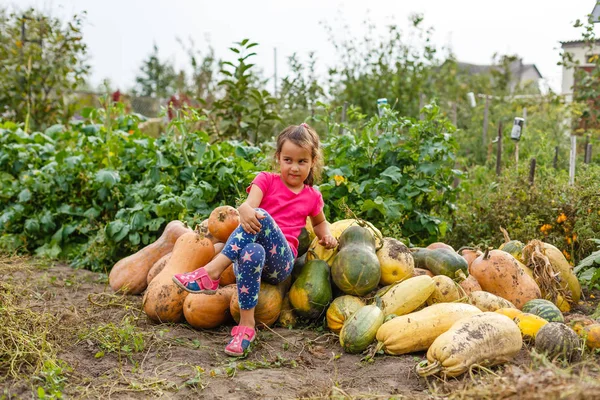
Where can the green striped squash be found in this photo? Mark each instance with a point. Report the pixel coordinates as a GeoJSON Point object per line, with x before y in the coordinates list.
{"type": "Point", "coordinates": [544, 309]}
{"type": "Point", "coordinates": [359, 331]}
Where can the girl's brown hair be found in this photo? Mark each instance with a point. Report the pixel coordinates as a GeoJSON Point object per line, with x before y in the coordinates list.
{"type": "Point", "coordinates": [304, 136]}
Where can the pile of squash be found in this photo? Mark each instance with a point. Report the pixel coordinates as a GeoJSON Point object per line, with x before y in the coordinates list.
{"type": "Point", "coordinates": [463, 307]}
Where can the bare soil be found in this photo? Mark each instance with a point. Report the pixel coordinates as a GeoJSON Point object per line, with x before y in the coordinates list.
{"type": "Point", "coordinates": [112, 350]}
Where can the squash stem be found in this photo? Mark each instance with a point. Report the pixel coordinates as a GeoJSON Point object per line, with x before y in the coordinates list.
{"type": "Point", "coordinates": [486, 255]}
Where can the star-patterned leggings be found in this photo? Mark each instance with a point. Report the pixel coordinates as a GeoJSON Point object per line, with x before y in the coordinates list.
{"type": "Point", "coordinates": [264, 255]}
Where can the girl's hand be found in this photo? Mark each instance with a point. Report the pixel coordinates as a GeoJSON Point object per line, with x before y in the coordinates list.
{"type": "Point", "coordinates": [328, 241]}
{"type": "Point", "coordinates": [249, 219]}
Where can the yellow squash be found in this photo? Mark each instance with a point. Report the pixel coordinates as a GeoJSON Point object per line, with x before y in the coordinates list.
{"type": "Point", "coordinates": [407, 295]}
{"type": "Point", "coordinates": [416, 331]}
{"type": "Point", "coordinates": [489, 302]}
{"type": "Point", "coordinates": [396, 261]}
{"type": "Point", "coordinates": [485, 339]}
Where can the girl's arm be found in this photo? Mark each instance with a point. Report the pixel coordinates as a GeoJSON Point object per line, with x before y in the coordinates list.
{"type": "Point", "coordinates": [321, 228]}
{"type": "Point", "coordinates": [249, 218]}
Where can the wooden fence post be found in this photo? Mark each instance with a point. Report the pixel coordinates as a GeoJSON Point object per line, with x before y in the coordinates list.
{"type": "Point", "coordinates": [485, 122]}
{"type": "Point", "coordinates": [588, 153]}
{"type": "Point", "coordinates": [585, 148]}
{"type": "Point", "coordinates": [499, 150]}
{"type": "Point", "coordinates": [531, 171]}
{"type": "Point", "coordinates": [555, 161]}
{"type": "Point", "coordinates": [572, 158]}
{"type": "Point", "coordinates": [454, 113]}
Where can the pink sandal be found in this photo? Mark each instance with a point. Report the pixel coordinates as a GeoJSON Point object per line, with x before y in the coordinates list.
{"type": "Point", "coordinates": [240, 342]}
{"type": "Point", "coordinates": [196, 281]}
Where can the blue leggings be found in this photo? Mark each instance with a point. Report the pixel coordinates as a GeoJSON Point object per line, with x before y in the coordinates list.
{"type": "Point", "coordinates": [264, 255]}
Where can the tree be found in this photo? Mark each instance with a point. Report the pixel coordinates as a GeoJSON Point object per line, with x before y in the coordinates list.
{"type": "Point", "coordinates": [42, 61]}
{"type": "Point", "coordinates": [156, 78]}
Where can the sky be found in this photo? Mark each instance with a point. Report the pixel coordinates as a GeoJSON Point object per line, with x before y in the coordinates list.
{"type": "Point", "coordinates": [120, 34]}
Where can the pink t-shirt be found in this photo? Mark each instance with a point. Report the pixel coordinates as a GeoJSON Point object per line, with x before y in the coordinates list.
{"type": "Point", "coordinates": [288, 209]}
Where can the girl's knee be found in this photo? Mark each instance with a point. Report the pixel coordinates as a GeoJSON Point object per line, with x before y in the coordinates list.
{"type": "Point", "coordinates": [263, 212]}
{"type": "Point", "coordinates": [253, 251]}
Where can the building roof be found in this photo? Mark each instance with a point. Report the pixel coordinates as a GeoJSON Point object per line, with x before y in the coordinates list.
{"type": "Point", "coordinates": [517, 68]}
{"type": "Point", "coordinates": [576, 43]}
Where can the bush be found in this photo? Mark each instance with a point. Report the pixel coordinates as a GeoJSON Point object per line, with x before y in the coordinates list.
{"type": "Point", "coordinates": [550, 210]}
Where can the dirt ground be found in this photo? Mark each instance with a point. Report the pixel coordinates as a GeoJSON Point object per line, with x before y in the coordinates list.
{"type": "Point", "coordinates": [104, 346]}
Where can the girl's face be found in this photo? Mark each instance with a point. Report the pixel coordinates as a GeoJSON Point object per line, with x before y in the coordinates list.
{"type": "Point", "coordinates": [295, 163]}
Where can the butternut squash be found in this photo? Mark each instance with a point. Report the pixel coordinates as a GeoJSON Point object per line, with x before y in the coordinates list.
{"type": "Point", "coordinates": [499, 273]}
{"type": "Point", "coordinates": [157, 267]}
{"type": "Point", "coordinates": [417, 331]}
{"type": "Point", "coordinates": [485, 339]}
{"type": "Point", "coordinates": [163, 300]}
{"type": "Point", "coordinates": [130, 274]}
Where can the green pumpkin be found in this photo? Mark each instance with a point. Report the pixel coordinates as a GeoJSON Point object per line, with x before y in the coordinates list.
{"type": "Point", "coordinates": [303, 242]}
{"type": "Point", "coordinates": [357, 235]}
{"type": "Point", "coordinates": [359, 331]}
{"type": "Point", "coordinates": [514, 248]}
{"type": "Point", "coordinates": [340, 309]}
{"type": "Point", "coordinates": [298, 265]}
{"type": "Point", "coordinates": [310, 293]}
{"type": "Point", "coordinates": [355, 270]}
{"type": "Point", "coordinates": [557, 340]}
{"type": "Point", "coordinates": [544, 309]}
{"type": "Point", "coordinates": [440, 261]}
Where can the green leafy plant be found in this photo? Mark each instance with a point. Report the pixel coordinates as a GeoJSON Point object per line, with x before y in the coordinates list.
{"type": "Point", "coordinates": [245, 108]}
{"type": "Point", "coordinates": [395, 172]}
{"type": "Point", "coordinates": [588, 268]}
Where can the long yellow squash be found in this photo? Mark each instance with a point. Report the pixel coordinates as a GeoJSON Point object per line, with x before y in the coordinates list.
{"type": "Point", "coordinates": [417, 331]}
{"type": "Point", "coordinates": [486, 339]}
{"type": "Point", "coordinates": [407, 295]}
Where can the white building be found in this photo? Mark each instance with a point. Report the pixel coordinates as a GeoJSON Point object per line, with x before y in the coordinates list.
{"type": "Point", "coordinates": [581, 53]}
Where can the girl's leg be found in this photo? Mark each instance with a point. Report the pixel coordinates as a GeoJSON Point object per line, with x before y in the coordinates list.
{"type": "Point", "coordinates": [248, 269]}
{"type": "Point", "coordinates": [279, 257]}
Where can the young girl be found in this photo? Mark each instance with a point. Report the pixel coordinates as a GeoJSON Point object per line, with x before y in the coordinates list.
{"type": "Point", "coordinates": [264, 245]}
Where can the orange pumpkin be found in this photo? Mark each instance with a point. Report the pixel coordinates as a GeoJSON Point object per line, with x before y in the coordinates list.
{"type": "Point", "coordinates": [470, 284]}
{"type": "Point", "coordinates": [469, 254]}
{"type": "Point", "coordinates": [267, 309]}
{"type": "Point", "coordinates": [157, 267]}
{"type": "Point", "coordinates": [228, 276]}
{"type": "Point", "coordinates": [130, 275]}
{"type": "Point", "coordinates": [222, 222]}
{"type": "Point", "coordinates": [163, 300]}
{"type": "Point", "coordinates": [205, 311]}
{"type": "Point", "coordinates": [499, 273]}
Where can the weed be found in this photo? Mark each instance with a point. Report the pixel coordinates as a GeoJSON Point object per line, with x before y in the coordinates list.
{"type": "Point", "coordinates": [52, 379]}
{"type": "Point", "coordinates": [124, 339]}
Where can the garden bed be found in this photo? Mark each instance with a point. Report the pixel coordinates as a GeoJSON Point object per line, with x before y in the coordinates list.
{"type": "Point", "coordinates": [72, 335]}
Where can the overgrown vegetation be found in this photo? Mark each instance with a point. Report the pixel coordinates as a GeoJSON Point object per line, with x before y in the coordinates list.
{"type": "Point", "coordinates": [97, 189]}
